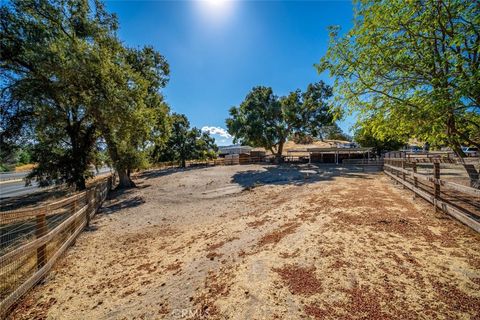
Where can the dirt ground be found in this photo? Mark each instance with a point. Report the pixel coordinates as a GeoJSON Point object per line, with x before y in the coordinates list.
{"type": "Point", "coordinates": [264, 242]}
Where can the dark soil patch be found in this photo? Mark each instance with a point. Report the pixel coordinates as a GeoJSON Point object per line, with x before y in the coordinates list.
{"type": "Point", "coordinates": [361, 304]}
{"type": "Point", "coordinates": [456, 299]}
{"type": "Point", "coordinates": [212, 255]}
{"type": "Point", "coordinates": [217, 284]}
{"type": "Point", "coordinates": [174, 266]}
{"type": "Point", "coordinates": [221, 244]}
{"type": "Point", "coordinates": [300, 280]}
{"type": "Point", "coordinates": [294, 254]}
{"type": "Point", "coordinates": [149, 267]}
{"type": "Point", "coordinates": [277, 235]}
{"type": "Point", "coordinates": [257, 223]}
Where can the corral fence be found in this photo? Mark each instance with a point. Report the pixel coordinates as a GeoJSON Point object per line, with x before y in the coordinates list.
{"type": "Point", "coordinates": [373, 164]}
{"type": "Point", "coordinates": [190, 163]}
{"type": "Point", "coordinates": [421, 154]}
{"type": "Point", "coordinates": [242, 159]}
{"type": "Point", "coordinates": [33, 239]}
{"type": "Point", "coordinates": [228, 160]}
{"type": "Point", "coordinates": [431, 179]}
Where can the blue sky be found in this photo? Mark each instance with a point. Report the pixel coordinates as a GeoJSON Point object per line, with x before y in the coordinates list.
{"type": "Point", "coordinates": [218, 50]}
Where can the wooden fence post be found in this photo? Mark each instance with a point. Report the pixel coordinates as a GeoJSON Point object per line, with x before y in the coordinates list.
{"type": "Point", "coordinates": [75, 208]}
{"type": "Point", "coordinates": [397, 173]}
{"type": "Point", "coordinates": [415, 180]}
{"type": "Point", "coordinates": [40, 231]}
{"type": "Point", "coordinates": [436, 183]}
{"type": "Point", "coordinates": [75, 204]}
{"type": "Point", "coordinates": [90, 205]}
{"type": "Point", "coordinates": [403, 168]}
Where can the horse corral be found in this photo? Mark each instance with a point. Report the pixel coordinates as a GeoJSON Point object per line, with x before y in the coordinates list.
{"type": "Point", "coordinates": [264, 241]}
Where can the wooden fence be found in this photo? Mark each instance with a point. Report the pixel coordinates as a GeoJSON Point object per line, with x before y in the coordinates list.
{"type": "Point", "coordinates": [374, 163]}
{"type": "Point", "coordinates": [247, 159]}
{"type": "Point", "coordinates": [215, 162]}
{"type": "Point", "coordinates": [421, 154]}
{"type": "Point", "coordinates": [457, 200]}
{"type": "Point", "coordinates": [32, 240]}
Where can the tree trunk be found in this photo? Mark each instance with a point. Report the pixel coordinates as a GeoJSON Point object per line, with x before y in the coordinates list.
{"type": "Point", "coordinates": [472, 172]}
{"type": "Point", "coordinates": [124, 180]}
{"type": "Point", "coordinates": [183, 163]}
{"type": "Point", "coordinates": [82, 142]}
{"type": "Point", "coordinates": [79, 165]}
{"type": "Point", "coordinates": [278, 155]}
{"type": "Point", "coordinates": [80, 184]}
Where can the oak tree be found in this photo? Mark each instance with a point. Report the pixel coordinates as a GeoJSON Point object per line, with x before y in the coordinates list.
{"type": "Point", "coordinates": [46, 84]}
{"type": "Point", "coordinates": [185, 143]}
{"type": "Point", "coordinates": [266, 120]}
{"type": "Point", "coordinates": [411, 68]}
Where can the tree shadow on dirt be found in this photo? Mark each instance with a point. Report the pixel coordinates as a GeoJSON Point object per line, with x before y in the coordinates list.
{"type": "Point", "coordinates": [295, 175]}
{"type": "Point", "coordinates": [120, 199]}
{"type": "Point", "coordinates": [122, 204]}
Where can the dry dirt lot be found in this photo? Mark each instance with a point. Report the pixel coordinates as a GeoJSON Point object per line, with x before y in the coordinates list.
{"type": "Point", "coordinates": [264, 242]}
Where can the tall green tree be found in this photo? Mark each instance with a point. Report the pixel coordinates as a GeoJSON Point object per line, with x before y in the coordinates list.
{"type": "Point", "coordinates": [72, 83]}
{"type": "Point", "coordinates": [133, 115]}
{"type": "Point", "coordinates": [186, 143]}
{"type": "Point", "coordinates": [46, 81]}
{"type": "Point", "coordinates": [266, 120]}
{"type": "Point", "coordinates": [366, 138]}
{"type": "Point", "coordinates": [333, 132]}
{"type": "Point", "coordinates": [411, 68]}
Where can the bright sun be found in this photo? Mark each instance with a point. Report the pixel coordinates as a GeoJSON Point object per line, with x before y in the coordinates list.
{"type": "Point", "coordinates": [216, 3]}
{"type": "Point", "coordinates": [216, 11]}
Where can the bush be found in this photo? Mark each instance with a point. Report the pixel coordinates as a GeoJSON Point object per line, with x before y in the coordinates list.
{"type": "Point", "coordinates": [24, 157]}
{"type": "Point", "coordinates": [6, 167]}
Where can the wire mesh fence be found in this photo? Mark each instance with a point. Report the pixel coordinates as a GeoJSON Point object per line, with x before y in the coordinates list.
{"type": "Point", "coordinates": [31, 240]}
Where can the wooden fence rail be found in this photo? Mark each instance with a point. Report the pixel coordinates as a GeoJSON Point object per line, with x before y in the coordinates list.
{"type": "Point", "coordinates": [215, 162]}
{"type": "Point", "coordinates": [32, 240]}
{"type": "Point", "coordinates": [437, 191]}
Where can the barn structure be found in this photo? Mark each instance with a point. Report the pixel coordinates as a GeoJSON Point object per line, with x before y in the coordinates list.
{"type": "Point", "coordinates": [328, 155]}
{"type": "Point", "coordinates": [235, 149]}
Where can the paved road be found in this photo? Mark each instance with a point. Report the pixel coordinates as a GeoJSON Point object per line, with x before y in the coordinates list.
{"type": "Point", "coordinates": [5, 176]}
{"type": "Point", "coordinates": [14, 186]}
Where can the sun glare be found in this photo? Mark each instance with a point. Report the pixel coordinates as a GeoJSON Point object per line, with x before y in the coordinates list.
{"type": "Point", "coordinates": [216, 3]}
{"type": "Point", "coordinates": [216, 12]}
